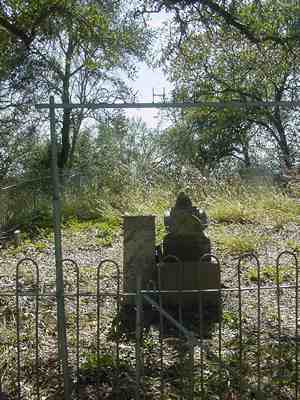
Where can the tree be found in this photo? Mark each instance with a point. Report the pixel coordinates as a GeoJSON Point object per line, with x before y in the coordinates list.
{"type": "Point", "coordinates": [120, 152]}
{"type": "Point", "coordinates": [204, 139]}
{"type": "Point", "coordinates": [260, 22]}
{"type": "Point", "coordinates": [78, 55]}
{"type": "Point", "coordinates": [23, 22]}
{"type": "Point", "coordinates": [16, 140]}
{"type": "Point", "coordinates": [212, 66]}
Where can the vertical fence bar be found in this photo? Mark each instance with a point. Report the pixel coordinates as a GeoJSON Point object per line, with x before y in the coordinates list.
{"type": "Point", "coordinates": [138, 333]}
{"type": "Point", "coordinates": [77, 329]}
{"type": "Point", "coordinates": [37, 355]}
{"type": "Point", "coordinates": [297, 383]}
{"type": "Point", "coordinates": [192, 367]}
{"type": "Point", "coordinates": [98, 334]}
{"type": "Point", "coordinates": [117, 380]}
{"type": "Point", "coordinates": [60, 299]}
{"type": "Point", "coordinates": [1, 376]}
{"type": "Point", "coordinates": [75, 265]}
{"type": "Point", "coordinates": [181, 357]}
{"type": "Point", "coordinates": [212, 258]}
{"type": "Point", "coordinates": [297, 339]}
{"type": "Point", "coordinates": [278, 295]}
{"type": "Point", "coordinates": [161, 337]}
{"type": "Point", "coordinates": [240, 330]}
{"type": "Point", "coordinates": [161, 317]}
{"type": "Point", "coordinates": [36, 328]}
{"type": "Point", "coordinates": [116, 387]}
{"type": "Point", "coordinates": [258, 323]}
{"type": "Point", "coordinates": [220, 311]}
{"type": "Point", "coordinates": [258, 358]}
{"type": "Point", "coordinates": [201, 321]}
{"type": "Point", "coordinates": [18, 334]}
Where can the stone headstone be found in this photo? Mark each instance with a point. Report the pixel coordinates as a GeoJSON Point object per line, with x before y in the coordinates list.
{"type": "Point", "coordinates": [186, 240]}
{"type": "Point", "coordinates": [139, 251]}
{"type": "Point", "coordinates": [190, 276]}
{"type": "Point", "coordinates": [185, 225]}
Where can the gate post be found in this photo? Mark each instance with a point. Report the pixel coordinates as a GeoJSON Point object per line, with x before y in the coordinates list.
{"type": "Point", "coordinates": [60, 299]}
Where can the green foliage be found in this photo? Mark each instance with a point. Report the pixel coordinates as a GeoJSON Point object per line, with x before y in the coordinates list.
{"type": "Point", "coordinates": [230, 319]}
{"type": "Point", "coordinates": [107, 372]}
{"type": "Point", "coordinates": [218, 65]}
{"type": "Point", "coordinates": [268, 273]}
{"type": "Point", "coordinates": [105, 360]}
{"type": "Point", "coordinates": [258, 23]}
{"type": "Point", "coordinates": [240, 204]}
{"type": "Point", "coordinates": [33, 219]}
{"type": "Point", "coordinates": [294, 246]}
{"type": "Point", "coordinates": [237, 244]}
{"type": "Point", "coordinates": [40, 246]}
{"type": "Point", "coordinates": [232, 211]}
{"type": "Point", "coordinates": [108, 230]}
{"type": "Point", "coordinates": [80, 50]}
{"type": "Point", "coordinates": [80, 207]}
{"type": "Point", "coordinates": [152, 201]}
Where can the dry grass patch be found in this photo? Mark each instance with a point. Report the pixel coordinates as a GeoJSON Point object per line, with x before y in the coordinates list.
{"type": "Point", "coordinates": [237, 243]}
{"type": "Point", "coordinates": [253, 205]}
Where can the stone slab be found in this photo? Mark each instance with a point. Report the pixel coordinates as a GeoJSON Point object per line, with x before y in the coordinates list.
{"type": "Point", "coordinates": [192, 276]}
{"type": "Point", "coordinates": [139, 251]}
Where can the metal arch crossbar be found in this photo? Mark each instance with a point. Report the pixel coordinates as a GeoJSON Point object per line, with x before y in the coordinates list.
{"type": "Point", "coordinates": [183, 104]}
{"type": "Point", "coordinates": [52, 106]}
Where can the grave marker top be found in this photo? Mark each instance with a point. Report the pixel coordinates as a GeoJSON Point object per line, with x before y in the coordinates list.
{"type": "Point", "coordinates": [185, 225]}
{"type": "Point", "coordinates": [179, 218]}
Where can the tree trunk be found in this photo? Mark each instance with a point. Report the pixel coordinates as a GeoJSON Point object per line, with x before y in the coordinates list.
{"type": "Point", "coordinates": [281, 140]}
{"type": "Point", "coordinates": [76, 129]}
{"type": "Point", "coordinates": [247, 159]}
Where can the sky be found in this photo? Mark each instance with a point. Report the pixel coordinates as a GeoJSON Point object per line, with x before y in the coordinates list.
{"type": "Point", "coordinates": [148, 80]}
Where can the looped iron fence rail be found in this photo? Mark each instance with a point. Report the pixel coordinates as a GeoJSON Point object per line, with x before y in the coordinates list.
{"type": "Point", "coordinates": [120, 351]}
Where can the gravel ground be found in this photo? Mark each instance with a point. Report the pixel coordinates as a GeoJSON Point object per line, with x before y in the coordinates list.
{"type": "Point", "coordinates": [81, 248]}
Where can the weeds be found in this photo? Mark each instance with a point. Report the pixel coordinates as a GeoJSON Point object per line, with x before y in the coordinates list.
{"type": "Point", "coordinates": [225, 204]}
{"type": "Point", "coordinates": [236, 244]}
{"type": "Point", "coordinates": [293, 245]}
{"type": "Point", "coordinates": [230, 212]}
{"type": "Point", "coordinates": [248, 204]}
{"type": "Point", "coordinates": [268, 273]}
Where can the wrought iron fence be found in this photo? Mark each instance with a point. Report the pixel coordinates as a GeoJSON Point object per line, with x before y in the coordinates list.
{"type": "Point", "coordinates": [248, 348]}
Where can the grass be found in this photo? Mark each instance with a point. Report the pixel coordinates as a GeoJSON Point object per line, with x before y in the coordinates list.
{"type": "Point", "coordinates": [225, 205]}
{"type": "Point", "coordinates": [244, 205]}
{"type": "Point", "coordinates": [237, 243]}
{"type": "Point", "coordinates": [235, 213]}
{"type": "Point", "coordinates": [268, 273]}
{"type": "Point", "coordinates": [238, 215]}
{"type": "Point", "coordinates": [230, 211]}
{"type": "Point", "coordinates": [293, 246]}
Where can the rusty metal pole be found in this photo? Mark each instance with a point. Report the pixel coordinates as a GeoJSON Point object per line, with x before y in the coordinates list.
{"type": "Point", "coordinates": [60, 300]}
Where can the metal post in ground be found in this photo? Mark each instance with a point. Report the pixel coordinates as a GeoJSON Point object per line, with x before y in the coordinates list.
{"type": "Point", "coordinates": [138, 333]}
{"type": "Point", "coordinates": [61, 320]}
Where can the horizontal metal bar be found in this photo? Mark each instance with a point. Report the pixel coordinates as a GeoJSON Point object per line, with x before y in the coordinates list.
{"type": "Point", "coordinates": [183, 104]}
{"type": "Point", "coordinates": [128, 294]}
{"type": "Point", "coordinates": [189, 335]}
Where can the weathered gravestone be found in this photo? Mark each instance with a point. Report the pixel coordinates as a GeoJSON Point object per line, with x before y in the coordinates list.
{"type": "Point", "coordinates": [185, 262]}
{"type": "Point", "coordinates": [194, 270]}
{"type": "Point", "coordinates": [185, 225]}
{"type": "Point", "coordinates": [139, 252]}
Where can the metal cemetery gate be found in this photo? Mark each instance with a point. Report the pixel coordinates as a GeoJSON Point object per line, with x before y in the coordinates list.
{"type": "Point", "coordinates": [251, 351]}
{"type": "Point", "coordinates": [60, 287]}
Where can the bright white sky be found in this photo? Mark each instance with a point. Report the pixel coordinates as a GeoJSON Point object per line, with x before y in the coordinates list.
{"type": "Point", "coordinates": [149, 79]}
